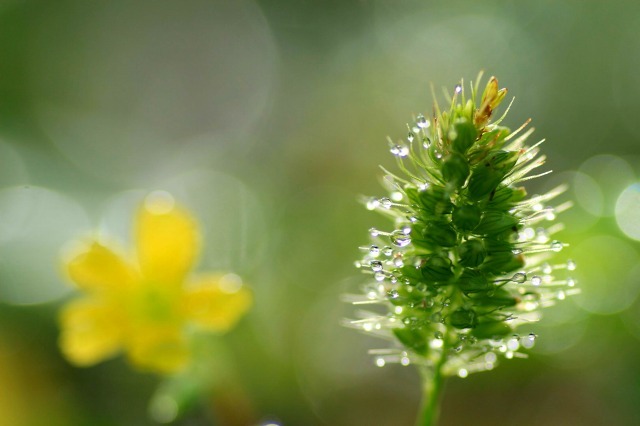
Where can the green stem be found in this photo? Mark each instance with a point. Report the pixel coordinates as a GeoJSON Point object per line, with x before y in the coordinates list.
{"type": "Point", "coordinates": [432, 381]}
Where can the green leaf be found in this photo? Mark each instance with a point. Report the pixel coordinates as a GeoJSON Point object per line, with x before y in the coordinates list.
{"type": "Point", "coordinates": [472, 253]}
{"type": "Point", "coordinates": [466, 218]}
{"type": "Point", "coordinates": [413, 338]}
{"type": "Point", "coordinates": [491, 330]}
{"type": "Point", "coordinates": [463, 318]}
{"type": "Point", "coordinates": [455, 170]}
{"type": "Point", "coordinates": [466, 134]}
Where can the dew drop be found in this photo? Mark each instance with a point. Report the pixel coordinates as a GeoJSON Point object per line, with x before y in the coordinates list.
{"type": "Point", "coordinates": [376, 265]}
{"type": "Point", "coordinates": [536, 280]}
{"type": "Point", "coordinates": [400, 239]}
{"type": "Point", "coordinates": [406, 230]}
{"type": "Point", "coordinates": [387, 251]}
{"type": "Point", "coordinates": [357, 264]}
{"type": "Point", "coordinates": [436, 343]}
{"type": "Point", "coordinates": [458, 88]}
{"type": "Point", "coordinates": [372, 203]}
{"type": "Point", "coordinates": [571, 265]}
{"type": "Point", "coordinates": [529, 233]}
{"type": "Point", "coordinates": [423, 187]}
{"type": "Point", "coordinates": [405, 361]}
{"type": "Point", "coordinates": [404, 151]}
{"type": "Point", "coordinates": [516, 251]}
{"type": "Point", "coordinates": [550, 214]}
{"type": "Point", "coordinates": [426, 143]}
{"type": "Point", "coordinates": [438, 335]}
{"type": "Point", "coordinates": [393, 294]}
{"type": "Point", "coordinates": [398, 310]}
{"type": "Point", "coordinates": [490, 357]}
{"type": "Point", "coordinates": [556, 245]}
{"type": "Point", "coordinates": [519, 277]}
{"type": "Point", "coordinates": [398, 262]}
{"type": "Point", "coordinates": [380, 362]}
{"type": "Point", "coordinates": [374, 251]}
{"type": "Point", "coordinates": [561, 295]}
{"type": "Point", "coordinates": [379, 276]}
{"type": "Point", "coordinates": [386, 203]}
{"type": "Point", "coordinates": [374, 232]}
{"type": "Point", "coordinates": [410, 136]}
{"type": "Point", "coordinates": [422, 122]}
{"type": "Point", "coordinates": [396, 196]}
{"type": "Point", "coordinates": [415, 129]}
{"type": "Point", "coordinates": [571, 282]}
{"type": "Point", "coordinates": [513, 344]}
{"type": "Point", "coordinates": [529, 341]}
{"type": "Point", "coordinates": [542, 236]}
{"type": "Point", "coordinates": [546, 268]}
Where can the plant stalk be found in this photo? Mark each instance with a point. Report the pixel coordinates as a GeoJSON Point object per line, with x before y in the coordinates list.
{"type": "Point", "coordinates": [432, 381]}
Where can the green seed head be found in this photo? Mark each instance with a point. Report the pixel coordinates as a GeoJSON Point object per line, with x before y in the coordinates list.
{"type": "Point", "coordinates": [467, 257]}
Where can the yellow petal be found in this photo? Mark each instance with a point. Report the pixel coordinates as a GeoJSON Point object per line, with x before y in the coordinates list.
{"type": "Point", "coordinates": [167, 238]}
{"type": "Point", "coordinates": [158, 349]}
{"type": "Point", "coordinates": [95, 267]}
{"type": "Point", "coordinates": [217, 302]}
{"type": "Point", "coordinates": [91, 331]}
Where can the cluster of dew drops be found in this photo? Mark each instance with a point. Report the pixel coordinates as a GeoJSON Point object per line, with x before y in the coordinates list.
{"type": "Point", "coordinates": [377, 257]}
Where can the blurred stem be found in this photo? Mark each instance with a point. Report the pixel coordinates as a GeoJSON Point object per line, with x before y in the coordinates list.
{"type": "Point", "coordinates": [432, 381]}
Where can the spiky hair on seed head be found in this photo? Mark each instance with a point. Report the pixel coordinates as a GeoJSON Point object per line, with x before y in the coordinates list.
{"type": "Point", "coordinates": [468, 256]}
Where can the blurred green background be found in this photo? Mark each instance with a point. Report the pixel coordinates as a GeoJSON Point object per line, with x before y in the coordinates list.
{"type": "Point", "coordinates": [268, 118]}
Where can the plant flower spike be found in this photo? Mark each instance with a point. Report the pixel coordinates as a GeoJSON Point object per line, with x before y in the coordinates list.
{"type": "Point", "coordinates": [468, 260]}
{"type": "Point", "coordinates": [147, 306]}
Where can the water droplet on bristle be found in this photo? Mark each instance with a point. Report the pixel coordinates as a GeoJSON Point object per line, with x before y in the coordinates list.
{"type": "Point", "coordinates": [399, 150]}
{"type": "Point", "coordinates": [374, 251]}
{"type": "Point", "coordinates": [571, 265]}
{"type": "Point", "coordinates": [386, 203]}
{"type": "Point", "coordinates": [387, 251]}
{"type": "Point", "coordinates": [519, 277]}
{"type": "Point", "coordinates": [372, 203]}
{"type": "Point", "coordinates": [556, 245]}
{"type": "Point", "coordinates": [379, 276]}
{"type": "Point", "coordinates": [400, 239]}
{"type": "Point", "coordinates": [458, 88]}
{"type": "Point", "coordinates": [376, 265]}
{"type": "Point", "coordinates": [422, 122]}
{"type": "Point", "coordinates": [374, 232]}
{"type": "Point", "coordinates": [536, 280]}
{"type": "Point", "coordinates": [410, 136]}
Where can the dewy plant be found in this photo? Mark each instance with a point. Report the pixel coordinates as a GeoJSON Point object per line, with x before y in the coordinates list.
{"type": "Point", "coordinates": [468, 258]}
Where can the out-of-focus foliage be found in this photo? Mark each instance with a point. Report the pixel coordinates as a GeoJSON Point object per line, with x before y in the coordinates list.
{"type": "Point", "coordinates": [267, 119]}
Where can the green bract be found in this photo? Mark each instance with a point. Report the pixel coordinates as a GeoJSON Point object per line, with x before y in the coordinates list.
{"type": "Point", "coordinates": [465, 260]}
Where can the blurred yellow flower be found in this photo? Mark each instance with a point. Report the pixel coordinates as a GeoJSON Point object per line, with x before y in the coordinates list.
{"type": "Point", "coordinates": [147, 307]}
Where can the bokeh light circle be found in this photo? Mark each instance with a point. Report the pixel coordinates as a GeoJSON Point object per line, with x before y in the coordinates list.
{"type": "Point", "coordinates": [147, 76]}
{"type": "Point", "coordinates": [612, 174]}
{"type": "Point", "coordinates": [36, 224]}
{"type": "Point", "coordinates": [607, 274]}
{"type": "Point", "coordinates": [628, 211]}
